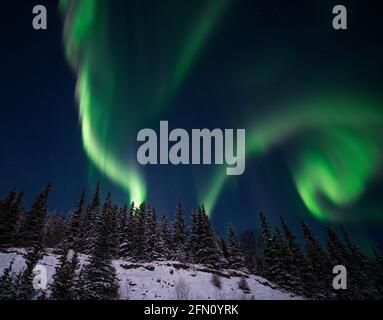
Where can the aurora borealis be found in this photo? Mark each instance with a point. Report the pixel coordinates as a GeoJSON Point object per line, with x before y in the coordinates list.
{"type": "Point", "coordinates": [331, 165]}
{"type": "Point", "coordinates": [337, 157]}
{"type": "Point", "coordinates": [309, 97]}
{"type": "Point", "coordinates": [100, 79]}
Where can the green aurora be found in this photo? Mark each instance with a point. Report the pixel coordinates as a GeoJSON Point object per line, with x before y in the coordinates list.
{"type": "Point", "coordinates": [332, 142]}
{"type": "Point", "coordinates": [108, 88]}
{"type": "Point", "coordinates": [334, 150]}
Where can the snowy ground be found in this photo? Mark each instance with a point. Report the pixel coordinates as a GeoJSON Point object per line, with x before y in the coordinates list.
{"type": "Point", "coordinates": [167, 280]}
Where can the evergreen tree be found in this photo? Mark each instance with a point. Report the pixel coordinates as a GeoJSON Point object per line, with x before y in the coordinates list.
{"type": "Point", "coordinates": [24, 281]}
{"type": "Point", "coordinates": [89, 221]}
{"type": "Point", "coordinates": [273, 262]}
{"type": "Point", "coordinates": [141, 251]}
{"type": "Point", "coordinates": [279, 261]}
{"type": "Point", "coordinates": [151, 234]}
{"type": "Point", "coordinates": [64, 279]}
{"type": "Point", "coordinates": [10, 215]}
{"type": "Point", "coordinates": [7, 284]}
{"type": "Point", "coordinates": [122, 221]}
{"type": "Point", "coordinates": [295, 262]}
{"type": "Point", "coordinates": [377, 271]}
{"type": "Point", "coordinates": [193, 240]}
{"type": "Point", "coordinates": [107, 232]}
{"type": "Point", "coordinates": [337, 252]}
{"type": "Point", "coordinates": [113, 232]}
{"type": "Point", "coordinates": [224, 248]}
{"type": "Point", "coordinates": [253, 250]}
{"type": "Point", "coordinates": [156, 244]}
{"type": "Point", "coordinates": [319, 266]}
{"type": "Point", "coordinates": [72, 240]}
{"type": "Point", "coordinates": [378, 259]}
{"type": "Point", "coordinates": [128, 242]}
{"type": "Point", "coordinates": [235, 255]}
{"type": "Point", "coordinates": [15, 219]}
{"type": "Point", "coordinates": [160, 248]}
{"type": "Point", "coordinates": [360, 271]}
{"type": "Point", "coordinates": [33, 229]}
{"type": "Point", "coordinates": [9, 199]}
{"type": "Point", "coordinates": [99, 279]}
{"type": "Point", "coordinates": [179, 234]}
{"type": "Point", "coordinates": [222, 262]}
{"type": "Point", "coordinates": [166, 236]}
{"type": "Point", "coordinates": [283, 271]}
{"type": "Point", "coordinates": [56, 227]}
{"type": "Point", "coordinates": [208, 251]}
{"type": "Point", "coordinates": [267, 243]}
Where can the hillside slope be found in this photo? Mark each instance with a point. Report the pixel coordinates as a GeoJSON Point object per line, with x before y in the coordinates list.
{"type": "Point", "coordinates": [167, 280]}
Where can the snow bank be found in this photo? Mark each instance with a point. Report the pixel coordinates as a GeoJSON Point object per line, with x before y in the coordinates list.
{"type": "Point", "coordinates": [167, 280]}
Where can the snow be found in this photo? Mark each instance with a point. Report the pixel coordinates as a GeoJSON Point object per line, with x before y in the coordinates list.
{"type": "Point", "coordinates": [166, 280]}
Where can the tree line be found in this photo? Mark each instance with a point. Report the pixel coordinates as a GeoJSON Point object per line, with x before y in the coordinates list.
{"type": "Point", "coordinates": [105, 231]}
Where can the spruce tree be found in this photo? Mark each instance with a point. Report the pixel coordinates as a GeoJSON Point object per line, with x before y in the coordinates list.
{"type": "Point", "coordinates": [235, 256]}
{"type": "Point", "coordinates": [224, 248]}
{"type": "Point", "coordinates": [208, 251]}
{"type": "Point", "coordinates": [160, 248]}
{"type": "Point", "coordinates": [179, 234]}
{"type": "Point", "coordinates": [64, 279]}
{"type": "Point", "coordinates": [278, 261]}
{"type": "Point", "coordinates": [122, 221]}
{"type": "Point", "coordinates": [151, 234]}
{"type": "Point", "coordinates": [253, 251]}
{"type": "Point", "coordinates": [99, 279]}
{"type": "Point", "coordinates": [10, 216]}
{"type": "Point", "coordinates": [267, 242]}
{"type": "Point", "coordinates": [5, 207]}
{"type": "Point", "coordinates": [319, 266]}
{"type": "Point", "coordinates": [193, 239]}
{"type": "Point", "coordinates": [166, 236]}
{"type": "Point", "coordinates": [113, 232]}
{"type": "Point", "coordinates": [73, 237]}
{"type": "Point", "coordinates": [273, 261]}
{"type": "Point", "coordinates": [222, 261]}
{"type": "Point", "coordinates": [7, 284]}
{"type": "Point", "coordinates": [141, 250]}
{"type": "Point", "coordinates": [128, 241]}
{"type": "Point", "coordinates": [34, 224]}
{"type": "Point", "coordinates": [360, 271]}
{"type": "Point", "coordinates": [378, 259]}
{"type": "Point", "coordinates": [56, 227]}
{"type": "Point", "coordinates": [295, 261]}
{"type": "Point", "coordinates": [89, 221]}
{"type": "Point", "coordinates": [156, 245]}
{"type": "Point", "coordinates": [337, 252]}
{"type": "Point", "coordinates": [283, 271]}
{"type": "Point", "coordinates": [24, 280]}
{"type": "Point", "coordinates": [377, 271]}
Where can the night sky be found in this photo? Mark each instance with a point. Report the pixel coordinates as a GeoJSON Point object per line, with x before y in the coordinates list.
{"type": "Point", "coordinates": [309, 97]}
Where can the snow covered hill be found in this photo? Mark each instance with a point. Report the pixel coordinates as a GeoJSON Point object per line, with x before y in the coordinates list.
{"type": "Point", "coordinates": [168, 280]}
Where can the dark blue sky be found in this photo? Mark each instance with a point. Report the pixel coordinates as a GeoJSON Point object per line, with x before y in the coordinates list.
{"type": "Point", "coordinates": [39, 121]}
{"type": "Point", "coordinates": [40, 131]}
